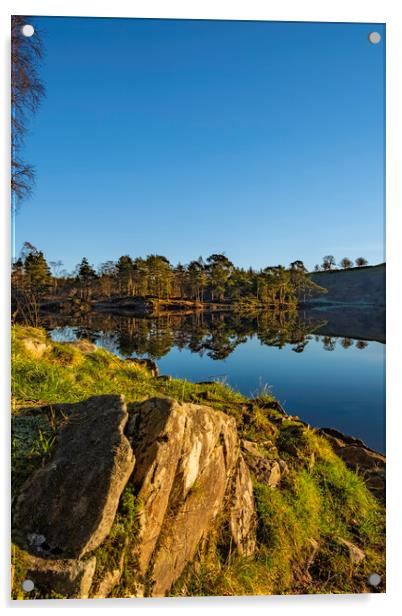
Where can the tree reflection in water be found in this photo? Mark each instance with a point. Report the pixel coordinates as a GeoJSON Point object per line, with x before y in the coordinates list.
{"type": "Point", "coordinates": [215, 334]}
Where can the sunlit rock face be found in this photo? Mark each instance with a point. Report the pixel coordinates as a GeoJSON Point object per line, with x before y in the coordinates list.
{"type": "Point", "coordinates": [189, 468]}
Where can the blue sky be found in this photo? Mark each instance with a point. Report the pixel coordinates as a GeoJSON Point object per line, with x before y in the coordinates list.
{"type": "Point", "coordinates": [261, 140]}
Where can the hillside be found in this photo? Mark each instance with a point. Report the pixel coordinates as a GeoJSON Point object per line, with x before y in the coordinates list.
{"type": "Point", "coordinates": [357, 285]}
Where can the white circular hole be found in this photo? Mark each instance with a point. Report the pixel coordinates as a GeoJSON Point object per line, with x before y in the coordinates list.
{"type": "Point", "coordinates": [374, 37]}
{"type": "Point", "coordinates": [27, 30]}
{"type": "Point", "coordinates": [28, 585]}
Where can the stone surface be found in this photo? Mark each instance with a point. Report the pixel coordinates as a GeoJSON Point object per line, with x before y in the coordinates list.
{"type": "Point", "coordinates": [369, 463]}
{"type": "Point", "coordinates": [36, 348]}
{"type": "Point", "coordinates": [265, 470]}
{"type": "Point", "coordinates": [67, 508]}
{"type": "Point", "coordinates": [356, 554]}
{"type": "Point", "coordinates": [185, 459]}
{"type": "Point", "coordinates": [360, 457]}
{"type": "Point", "coordinates": [274, 474]}
{"type": "Point", "coordinates": [70, 578]}
{"type": "Point", "coordinates": [242, 511]}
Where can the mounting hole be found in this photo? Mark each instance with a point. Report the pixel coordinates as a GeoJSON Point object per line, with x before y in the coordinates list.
{"type": "Point", "coordinates": [374, 579]}
{"type": "Point", "coordinates": [28, 585]}
{"type": "Point", "coordinates": [28, 30]}
{"type": "Point", "coordinates": [374, 38]}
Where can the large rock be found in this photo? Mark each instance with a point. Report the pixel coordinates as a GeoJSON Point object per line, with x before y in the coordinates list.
{"type": "Point", "coordinates": [67, 508]}
{"type": "Point", "coordinates": [189, 479]}
{"type": "Point", "coordinates": [186, 460]}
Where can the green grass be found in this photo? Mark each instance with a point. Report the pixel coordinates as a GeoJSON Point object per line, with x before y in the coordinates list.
{"type": "Point", "coordinates": [317, 505]}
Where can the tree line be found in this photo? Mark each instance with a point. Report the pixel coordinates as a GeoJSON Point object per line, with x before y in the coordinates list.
{"type": "Point", "coordinates": [329, 263]}
{"type": "Point", "coordinates": [215, 279]}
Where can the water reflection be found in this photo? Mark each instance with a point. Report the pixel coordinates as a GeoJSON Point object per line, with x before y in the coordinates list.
{"type": "Point", "coordinates": [217, 335]}
{"type": "Point", "coordinates": [322, 369]}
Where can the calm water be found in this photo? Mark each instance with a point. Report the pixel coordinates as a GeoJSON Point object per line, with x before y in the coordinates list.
{"type": "Point", "coordinates": [328, 380]}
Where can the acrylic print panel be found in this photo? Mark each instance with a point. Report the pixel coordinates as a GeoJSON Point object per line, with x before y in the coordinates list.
{"type": "Point", "coordinates": [197, 308]}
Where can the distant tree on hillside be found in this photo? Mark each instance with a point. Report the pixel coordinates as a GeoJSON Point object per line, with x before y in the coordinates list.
{"type": "Point", "coordinates": [346, 263]}
{"type": "Point", "coordinates": [26, 93]}
{"type": "Point", "coordinates": [328, 262]}
{"type": "Point", "coordinates": [361, 262]}
{"type": "Point", "coordinates": [317, 268]}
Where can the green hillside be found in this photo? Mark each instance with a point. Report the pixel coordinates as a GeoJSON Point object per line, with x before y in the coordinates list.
{"type": "Point", "coordinates": [357, 285]}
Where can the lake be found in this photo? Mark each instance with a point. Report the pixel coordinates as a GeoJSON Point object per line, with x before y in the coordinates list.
{"type": "Point", "coordinates": [311, 364]}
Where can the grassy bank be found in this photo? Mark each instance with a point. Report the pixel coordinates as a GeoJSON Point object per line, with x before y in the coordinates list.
{"type": "Point", "coordinates": [305, 526]}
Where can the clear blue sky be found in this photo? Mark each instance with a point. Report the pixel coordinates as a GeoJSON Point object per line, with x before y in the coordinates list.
{"type": "Point", "coordinates": [262, 140]}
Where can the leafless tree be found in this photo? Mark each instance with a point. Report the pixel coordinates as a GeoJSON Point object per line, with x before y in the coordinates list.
{"type": "Point", "coordinates": [26, 93]}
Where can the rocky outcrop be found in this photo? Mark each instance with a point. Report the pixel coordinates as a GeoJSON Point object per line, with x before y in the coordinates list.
{"type": "Point", "coordinates": [266, 470]}
{"type": "Point", "coordinates": [188, 459]}
{"type": "Point", "coordinates": [189, 472]}
{"type": "Point", "coordinates": [189, 476]}
{"type": "Point", "coordinates": [67, 508]}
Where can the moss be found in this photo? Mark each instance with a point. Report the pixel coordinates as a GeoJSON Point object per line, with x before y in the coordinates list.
{"type": "Point", "coordinates": [118, 550]}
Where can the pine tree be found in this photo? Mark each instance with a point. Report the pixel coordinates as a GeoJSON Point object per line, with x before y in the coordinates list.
{"type": "Point", "coordinates": [37, 271]}
{"type": "Point", "coordinates": [86, 272]}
